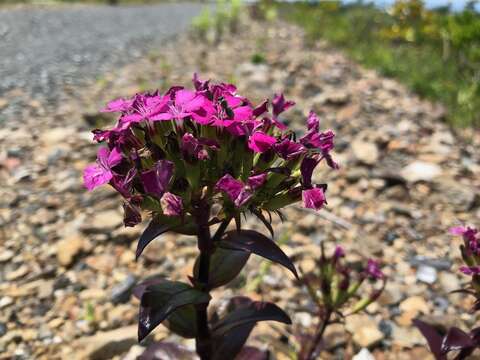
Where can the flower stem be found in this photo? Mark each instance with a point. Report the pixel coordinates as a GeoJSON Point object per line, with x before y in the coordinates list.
{"type": "Point", "coordinates": [319, 334]}
{"type": "Point", "coordinates": [203, 340]}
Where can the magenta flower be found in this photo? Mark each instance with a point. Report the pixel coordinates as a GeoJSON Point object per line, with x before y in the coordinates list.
{"type": "Point", "coordinates": [237, 191]}
{"type": "Point", "coordinates": [339, 252]}
{"type": "Point", "coordinates": [190, 145]}
{"type": "Point", "coordinates": [171, 204]}
{"type": "Point", "coordinates": [260, 142]}
{"type": "Point", "coordinates": [118, 105]}
{"type": "Point", "coordinates": [132, 215]}
{"type": "Point", "coordinates": [306, 168]}
{"type": "Point", "coordinates": [288, 149]}
{"type": "Point", "coordinates": [373, 270]}
{"type": "Point", "coordinates": [470, 270]}
{"type": "Point", "coordinates": [123, 184]}
{"type": "Point", "coordinates": [144, 107]}
{"type": "Point", "coordinates": [186, 103]}
{"type": "Point", "coordinates": [313, 198]}
{"type": "Point", "coordinates": [156, 180]}
{"type": "Point", "coordinates": [255, 181]}
{"type": "Point", "coordinates": [280, 105]}
{"type": "Point", "coordinates": [193, 147]}
{"type": "Point", "coordinates": [229, 185]}
{"type": "Point", "coordinates": [312, 122]}
{"type": "Point", "coordinates": [101, 173]}
{"type": "Point", "coordinates": [469, 234]}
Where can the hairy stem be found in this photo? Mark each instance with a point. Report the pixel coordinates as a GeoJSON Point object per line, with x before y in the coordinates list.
{"type": "Point", "coordinates": [322, 325]}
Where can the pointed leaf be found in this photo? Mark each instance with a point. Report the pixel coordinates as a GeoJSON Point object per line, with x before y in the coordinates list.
{"type": "Point", "coordinates": [183, 321]}
{"type": "Point", "coordinates": [433, 338]}
{"type": "Point", "coordinates": [225, 265]}
{"type": "Point", "coordinates": [456, 339]}
{"type": "Point", "coordinates": [166, 351]}
{"type": "Point", "coordinates": [153, 230]}
{"type": "Point", "coordinates": [268, 225]}
{"type": "Point", "coordinates": [161, 300]}
{"type": "Point", "coordinates": [254, 242]}
{"type": "Point", "coordinates": [252, 313]}
{"type": "Point", "coordinates": [231, 343]}
{"type": "Point", "coordinates": [139, 289]}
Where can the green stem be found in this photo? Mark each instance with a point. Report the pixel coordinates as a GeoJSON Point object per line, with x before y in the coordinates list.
{"type": "Point", "coordinates": [319, 334]}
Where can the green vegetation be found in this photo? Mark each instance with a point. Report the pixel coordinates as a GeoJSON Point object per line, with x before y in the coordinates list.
{"type": "Point", "coordinates": [212, 24]}
{"type": "Point", "coordinates": [110, 2]}
{"type": "Point", "coordinates": [435, 52]}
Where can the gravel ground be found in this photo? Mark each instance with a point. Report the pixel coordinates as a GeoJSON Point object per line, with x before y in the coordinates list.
{"type": "Point", "coordinates": [46, 50]}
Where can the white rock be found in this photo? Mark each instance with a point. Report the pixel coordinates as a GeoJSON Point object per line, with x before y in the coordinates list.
{"type": "Point", "coordinates": [364, 354]}
{"type": "Point", "coordinates": [427, 274]}
{"type": "Point", "coordinates": [420, 171]}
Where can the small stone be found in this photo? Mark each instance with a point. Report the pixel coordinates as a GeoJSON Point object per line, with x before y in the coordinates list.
{"type": "Point", "coordinates": [303, 318]}
{"type": "Point", "coordinates": [365, 152]}
{"type": "Point", "coordinates": [3, 329]}
{"type": "Point", "coordinates": [69, 248]}
{"type": "Point", "coordinates": [106, 345]}
{"type": "Point", "coordinates": [105, 221]}
{"type": "Point", "coordinates": [449, 282]}
{"type": "Point", "coordinates": [427, 274]}
{"type": "Point", "coordinates": [121, 292]}
{"type": "Point", "coordinates": [414, 304]}
{"type": "Point", "coordinates": [364, 330]}
{"type": "Point", "coordinates": [6, 255]}
{"type": "Point", "coordinates": [364, 354]}
{"type": "Point", "coordinates": [407, 337]}
{"type": "Point", "coordinates": [5, 301]}
{"type": "Point", "coordinates": [18, 273]}
{"type": "Point", "coordinates": [420, 171]}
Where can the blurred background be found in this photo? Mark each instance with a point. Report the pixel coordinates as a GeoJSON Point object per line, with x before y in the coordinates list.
{"type": "Point", "coordinates": [398, 81]}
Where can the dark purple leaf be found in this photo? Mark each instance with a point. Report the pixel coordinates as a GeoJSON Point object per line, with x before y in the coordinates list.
{"type": "Point", "coordinates": [161, 300]}
{"type": "Point", "coordinates": [268, 225]}
{"type": "Point", "coordinates": [251, 353]}
{"type": "Point", "coordinates": [153, 230]}
{"type": "Point", "coordinates": [250, 314]}
{"type": "Point", "coordinates": [166, 351]}
{"type": "Point", "coordinates": [183, 321]}
{"type": "Point", "coordinates": [456, 339]}
{"type": "Point", "coordinates": [140, 288]}
{"type": "Point", "coordinates": [231, 343]}
{"type": "Point", "coordinates": [225, 265]}
{"type": "Point", "coordinates": [254, 242]}
{"type": "Point", "coordinates": [433, 338]}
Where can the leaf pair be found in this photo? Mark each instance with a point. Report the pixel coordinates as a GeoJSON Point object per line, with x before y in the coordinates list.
{"type": "Point", "coordinates": [160, 224]}
{"type": "Point", "coordinates": [173, 304]}
{"type": "Point", "coordinates": [455, 340]}
{"type": "Point", "coordinates": [170, 302]}
{"type": "Point", "coordinates": [233, 251]}
{"type": "Point", "coordinates": [232, 331]}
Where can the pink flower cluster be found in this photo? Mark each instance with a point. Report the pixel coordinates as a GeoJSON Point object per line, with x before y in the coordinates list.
{"type": "Point", "coordinates": [169, 150]}
{"type": "Point", "coordinates": [470, 249]}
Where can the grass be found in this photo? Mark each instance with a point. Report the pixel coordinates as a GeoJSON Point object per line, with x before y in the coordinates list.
{"type": "Point", "coordinates": [365, 34]}
{"type": "Point", "coordinates": [110, 2]}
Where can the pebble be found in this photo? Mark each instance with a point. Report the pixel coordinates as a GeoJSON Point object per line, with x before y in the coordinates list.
{"type": "Point", "coordinates": [420, 171]}
{"type": "Point", "coordinates": [121, 292]}
{"type": "Point", "coordinates": [365, 152]}
{"type": "Point", "coordinates": [363, 354]}
{"type": "Point", "coordinates": [364, 330]}
{"type": "Point", "coordinates": [427, 274]}
{"type": "Point", "coordinates": [380, 205]}
{"type": "Point", "coordinates": [68, 248]}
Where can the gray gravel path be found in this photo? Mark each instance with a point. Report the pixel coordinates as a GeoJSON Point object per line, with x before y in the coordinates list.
{"type": "Point", "coordinates": [44, 49]}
